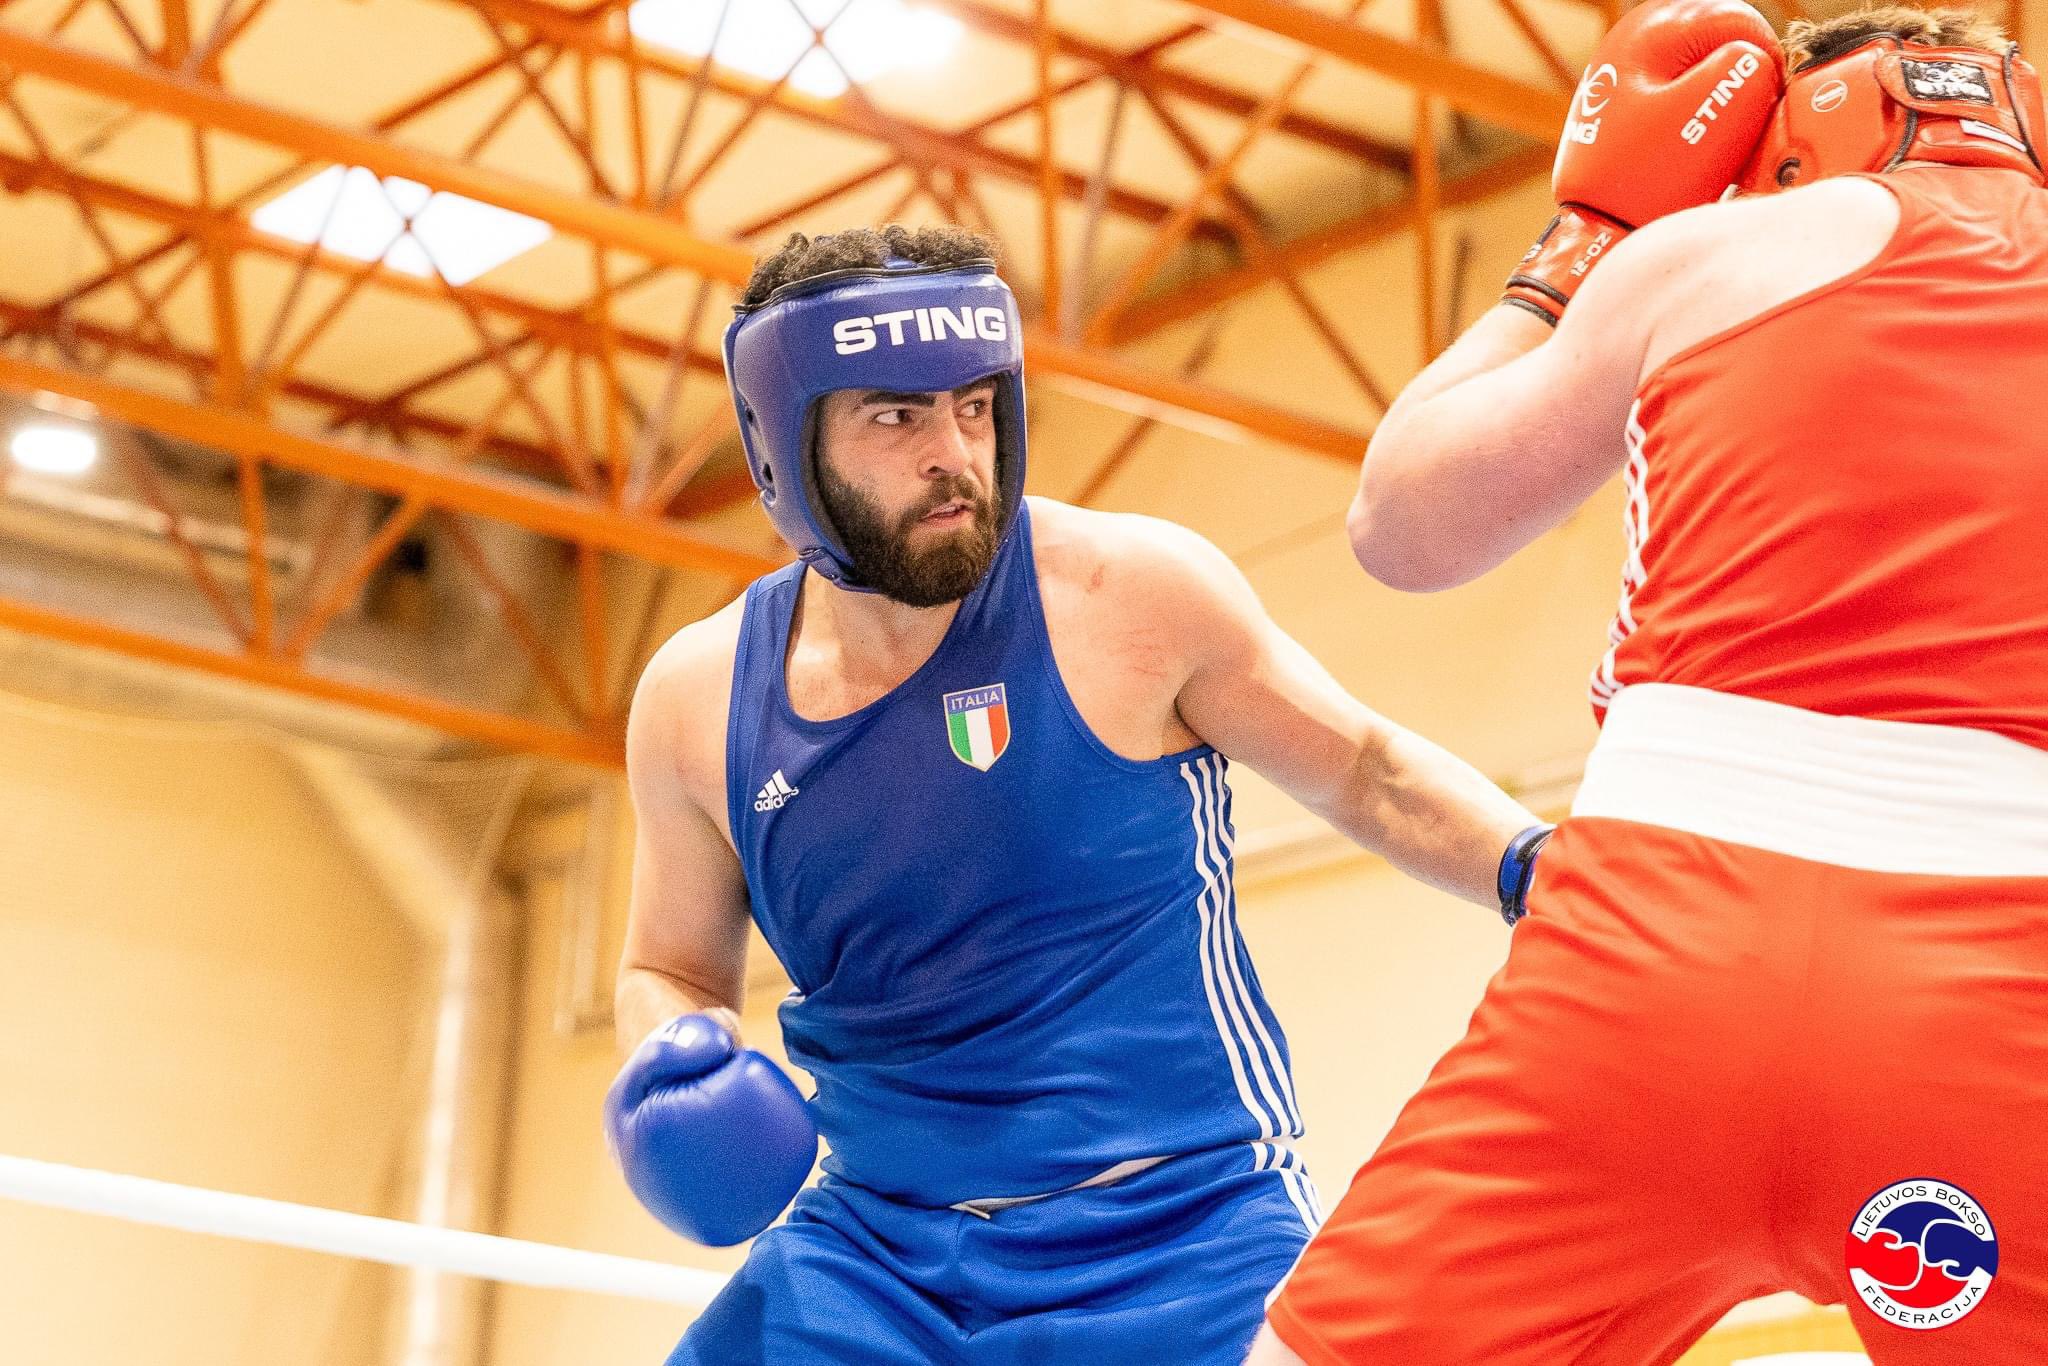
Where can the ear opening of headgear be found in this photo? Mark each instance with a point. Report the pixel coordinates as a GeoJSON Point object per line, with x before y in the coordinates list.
{"type": "Point", "coordinates": [900, 327]}
{"type": "Point", "coordinates": [1885, 102]}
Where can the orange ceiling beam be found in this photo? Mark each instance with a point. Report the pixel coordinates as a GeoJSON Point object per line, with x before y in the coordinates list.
{"type": "Point", "coordinates": [606, 36]}
{"type": "Point", "coordinates": [1148, 316]}
{"type": "Point", "coordinates": [1170, 80]}
{"type": "Point", "coordinates": [1117, 383]}
{"type": "Point", "coordinates": [658, 239]}
{"type": "Point", "coordinates": [345, 408]}
{"type": "Point", "coordinates": [554, 325]}
{"type": "Point", "coordinates": [194, 100]}
{"type": "Point", "coordinates": [483, 493]}
{"type": "Point", "coordinates": [563, 328]}
{"type": "Point", "coordinates": [597, 748]}
{"type": "Point", "coordinates": [1530, 110]}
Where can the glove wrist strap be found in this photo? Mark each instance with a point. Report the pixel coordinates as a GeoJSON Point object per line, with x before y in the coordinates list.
{"type": "Point", "coordinates": [1518, 869]}
{"type": "Point", "coordinates": [1553, 269]}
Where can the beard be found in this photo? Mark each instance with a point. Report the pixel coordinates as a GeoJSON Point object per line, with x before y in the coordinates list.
{"type": "Point", "coordinates": [880, 549]}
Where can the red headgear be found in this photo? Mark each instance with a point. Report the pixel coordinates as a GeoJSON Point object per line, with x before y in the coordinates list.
{"type": "Point", "coordinates": [1886, 101]}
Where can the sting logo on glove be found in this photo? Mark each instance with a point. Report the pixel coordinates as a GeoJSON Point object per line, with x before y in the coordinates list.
{"type": "Point", "coordinates": [1724, 90]}
{"type": "Point", "coordinates": [1707, 71]}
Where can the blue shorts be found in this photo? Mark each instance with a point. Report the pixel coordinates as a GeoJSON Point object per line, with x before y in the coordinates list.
{"type": "Point", "coordinates": [1174, 1263]}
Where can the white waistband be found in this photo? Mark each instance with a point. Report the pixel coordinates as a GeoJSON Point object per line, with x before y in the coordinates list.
{"type": "Point", "coordinates": [1269, 1154]}
{"type": "Point", "coordinates": [989, 1205]}
{"type": "Point", "coordinates": [1885, 796]}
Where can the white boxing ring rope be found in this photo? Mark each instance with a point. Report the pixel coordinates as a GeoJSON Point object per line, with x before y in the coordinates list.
{"type": "Point", "coordinates": [392, 1241]}
{"type": "Point", "coordinates": [397, 1243]}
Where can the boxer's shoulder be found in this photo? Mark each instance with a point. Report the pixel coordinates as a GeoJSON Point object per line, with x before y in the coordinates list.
{"type": "Point", "coordinates": [1840, 217]}
{"type": "Point", "coordinates": [1130, 604]}
{"type": "Point", "coordinates": [698, 656]}
{"type": "Point", "coordinates": [1126, 561]}
{"type": "Point", "coordinates": [679, 707]}
{"type": "Point", "coordinates": [1706, 270]}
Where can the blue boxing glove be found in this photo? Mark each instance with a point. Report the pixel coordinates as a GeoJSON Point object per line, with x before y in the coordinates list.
{"type": "Point", "coordinates": [713, 1138]}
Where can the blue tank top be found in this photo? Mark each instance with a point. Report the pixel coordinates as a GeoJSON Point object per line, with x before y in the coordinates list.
{"type": "Point", "coordinates": [1015, 952]}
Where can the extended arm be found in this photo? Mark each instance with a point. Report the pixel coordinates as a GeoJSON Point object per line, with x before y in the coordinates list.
{"type": "Point", "coordinates": [1262, 699]}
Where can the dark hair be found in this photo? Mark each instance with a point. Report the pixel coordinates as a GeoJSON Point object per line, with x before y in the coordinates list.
{"type": "Point", "coordinates": [1808, 43]}
{"type": "Point", "coordinates": [801, 257]}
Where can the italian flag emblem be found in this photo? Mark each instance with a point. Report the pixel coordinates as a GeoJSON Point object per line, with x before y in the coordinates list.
{"type": "Point", "coordinates": [978, 725]}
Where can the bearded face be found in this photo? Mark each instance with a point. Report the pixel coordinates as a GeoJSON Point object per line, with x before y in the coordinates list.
{"type": "Point", "coordinates": [909, 483]}
{"type": "Point", "coordinates": [929, 554]}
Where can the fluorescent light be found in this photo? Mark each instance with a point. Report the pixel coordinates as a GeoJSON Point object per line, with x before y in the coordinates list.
{"type": "Point", "coordinates": [54, 448]}
{"type": "Point", "coordinates": [762, 37]}
{"type": "Point", "coordinates": [350, 214]}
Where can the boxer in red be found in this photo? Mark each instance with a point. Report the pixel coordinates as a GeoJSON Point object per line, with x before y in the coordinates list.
{"type": "Point", "coordinates": [1778, 1016]}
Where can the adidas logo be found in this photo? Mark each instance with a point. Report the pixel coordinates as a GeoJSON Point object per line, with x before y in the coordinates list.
{"type": "Point", "coordinates": [774, 793]}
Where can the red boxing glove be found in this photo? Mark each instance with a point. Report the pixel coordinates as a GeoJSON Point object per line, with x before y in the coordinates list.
{"type": "Point", "coordinates": [1674, 102]}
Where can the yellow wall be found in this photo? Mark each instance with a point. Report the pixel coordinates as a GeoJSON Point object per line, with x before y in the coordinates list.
{"type": "Point", "coordinates": [198, 985]}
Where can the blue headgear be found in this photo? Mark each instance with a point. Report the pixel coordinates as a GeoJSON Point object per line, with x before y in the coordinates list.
{"type": "Point", "coordinates": [901, 327]}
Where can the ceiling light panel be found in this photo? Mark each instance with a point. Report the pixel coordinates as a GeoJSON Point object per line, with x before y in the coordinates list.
{"type": "Point", "coordinates": [764, 37]}
{"type": "Point", "coordinates": [401, 223]}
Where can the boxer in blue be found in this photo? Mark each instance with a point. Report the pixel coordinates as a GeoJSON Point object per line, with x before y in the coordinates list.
{"type": "Point", "coordinates": [964, 764]}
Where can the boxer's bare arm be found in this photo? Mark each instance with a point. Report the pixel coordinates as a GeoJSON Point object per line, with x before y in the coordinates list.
{"type": "Point", "coordinates": [686, 927]}
{"type": "Point", "coordinates": [1514, 426]}
{"type": "Point", "coordinates": [1255, 694]}
{"type": "Point", "coordinates": [1509, 431]}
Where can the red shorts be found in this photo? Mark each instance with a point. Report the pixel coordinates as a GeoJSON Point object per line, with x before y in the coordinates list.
{"type": "Point", "coordinates": [1699, 1062]}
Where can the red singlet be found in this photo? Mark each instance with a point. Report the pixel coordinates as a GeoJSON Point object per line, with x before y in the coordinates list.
{"type": "Point", "coordinates": [1842, 504]}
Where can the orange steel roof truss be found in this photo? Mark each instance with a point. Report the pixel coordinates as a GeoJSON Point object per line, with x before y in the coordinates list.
{"type": "Point", "coordinates": [579, 400]}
